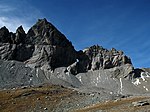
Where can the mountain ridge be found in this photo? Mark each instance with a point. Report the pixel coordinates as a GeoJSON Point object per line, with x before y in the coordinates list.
{"type": "Point", "coordinates": [44, 33]}
{"type": "Point", "coordinates": [45, 55]}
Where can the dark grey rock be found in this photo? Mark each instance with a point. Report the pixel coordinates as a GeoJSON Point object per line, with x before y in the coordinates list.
{"type": "Point", "coordinates": [12, 38]}
{"type": "Point", "coordinates": [23, 52]}
{"type": "Point", "coordinates": [52, 49]}
{"type": "Point", "coordinates": [4, 35]}
{"type": "Point", "coordinates": [44, 33]}
{"type": "Point", "coordinates": [7, 51]}
{"type": "Point", "coordinates": [43, 46]}
{"type": "Point", "coordinates": [20, 35]}
{"type": "Point", "coordinates": [20, 52]}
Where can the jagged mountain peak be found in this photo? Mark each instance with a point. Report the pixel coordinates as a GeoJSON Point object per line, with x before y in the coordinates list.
{"type": "Point", "coordinates": [4, 34]}
{"type": "Point", "coordinates": [20, 36]}
{"type": "Point", "coordinates": [44, 22]}
{"type": "Point", "coordinates": [3, 28]}
{"type": "Point", "coordinates": [44, 41]}
{"type": "Point", "coordinates": [20, 28]}
{"type": "Point", "coordinates": [43, 32]}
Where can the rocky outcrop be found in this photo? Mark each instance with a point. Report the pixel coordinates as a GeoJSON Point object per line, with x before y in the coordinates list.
{"type": "Point", "coordinates": [12, 38]}
{"type": "Point", "coordinates": [12, 45]}
{"type": "Point", "coordinates": [43, 46]}
{"type": "Point", "coordinates": [44, 33]}
{"type": "Point", "coordinates": [96, 58]}
{"type": "Point", "coordinates": [103, 58]}
{"type": "Point", "coordinates": [51, 48]}
{"type": "Point", "coordinates": [7, 51]}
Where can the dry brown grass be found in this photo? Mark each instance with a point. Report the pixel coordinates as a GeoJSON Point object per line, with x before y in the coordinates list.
{"type": "Point", "coordinates": [21, 100]}
{"type": "Point", "coordinates": [26, 100]}
{"type": "Point", "coordinates": [123, 105]}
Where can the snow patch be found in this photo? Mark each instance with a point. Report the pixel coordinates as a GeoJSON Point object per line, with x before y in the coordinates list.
{"type": "Point", "coordinates": [37, 72]}
{"type": "Point", "coordinates": [137, 82]}
{"type": "Point", "coordinates": [121, 86]}
{"type": "Point", "coordinates": [97, 79]}
{"type": "Point", "coordinates": [144, 75]}
{"type": "Point", "coordinates": [146, 89]}
{"type": "Point", "coordinates": [80, 78]}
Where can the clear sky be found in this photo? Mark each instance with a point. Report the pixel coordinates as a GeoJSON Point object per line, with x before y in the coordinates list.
{"type": "Point", "coordinates": [122, 24]}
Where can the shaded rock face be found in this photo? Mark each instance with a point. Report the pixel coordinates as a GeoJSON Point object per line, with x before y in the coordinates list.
{"type": "Point", "coordinates": [12, 38]}
{"type": "Point", "coordinates": [7, 51]}
{"type": "Point", "coordinates": [12, 45]}
{"type": "Point", "coordinates": [43, 46]}
{"type": "Point", "coordinates": [19, 36]}
{"type": "Point", "coordinates": [4, 35]}
{"type": "Point", "coordinates": [96, 57]}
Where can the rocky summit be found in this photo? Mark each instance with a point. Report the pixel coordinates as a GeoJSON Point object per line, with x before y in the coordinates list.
{"type": "Point", "coordinates": [42, 47]}
{"type": "Point", "coordinates": [44, 55]}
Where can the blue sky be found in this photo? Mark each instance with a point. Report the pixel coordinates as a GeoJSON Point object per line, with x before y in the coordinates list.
{"type": "Point", "coordinates": [122, 24]}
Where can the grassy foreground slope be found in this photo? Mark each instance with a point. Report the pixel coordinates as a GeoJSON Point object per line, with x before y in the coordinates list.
{"type": "Point", "coordinates": [55, 98]}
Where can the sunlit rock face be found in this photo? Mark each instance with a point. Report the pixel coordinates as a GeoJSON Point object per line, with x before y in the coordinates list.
{"type": "Point", "coordinates": [96, 57]}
